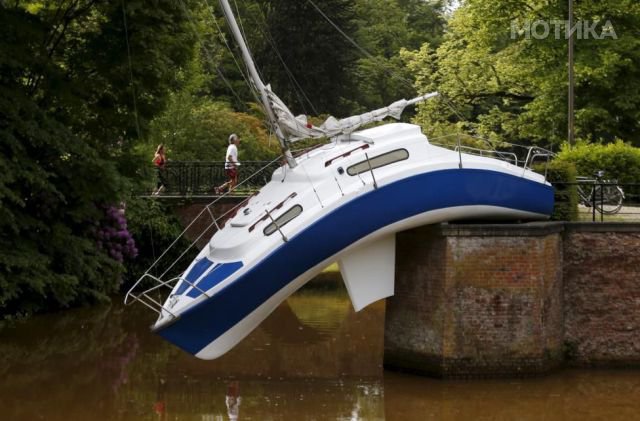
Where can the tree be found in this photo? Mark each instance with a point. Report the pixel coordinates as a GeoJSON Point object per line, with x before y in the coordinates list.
{"type": "Point", "coordinates": [512, 87]}
{"type": "Point", "coordinates": [318, 59]}
{"type": "Point", "coordinates": [384, 28]}
{"type": "Point", "coordinates": [65, 98]}
{"type": "Point", "coordinates": [196, 124]}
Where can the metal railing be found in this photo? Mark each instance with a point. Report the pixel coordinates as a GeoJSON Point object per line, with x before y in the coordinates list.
{"type": "Point", "coordinates": [162, 275]}
{"type": "Point", "coordinates": [191, 178]}
{"type": "Point", "coordinates": [601, 200]}
{"type": "Point", "coordinates": [519, 155]}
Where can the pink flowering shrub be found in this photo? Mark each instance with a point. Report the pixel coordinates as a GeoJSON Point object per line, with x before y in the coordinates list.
{"type": "Point", "coordinates": [113, 236]}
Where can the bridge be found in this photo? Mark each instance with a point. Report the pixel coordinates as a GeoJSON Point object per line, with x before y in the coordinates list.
{"type": "Point", "coordinates": [196, 180]}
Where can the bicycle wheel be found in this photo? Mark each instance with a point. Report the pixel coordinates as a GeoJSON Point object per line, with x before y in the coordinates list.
{"type": "Point", "coordinates": [608, 199]}
{"type": "Point", "coordinates": [584, 196]}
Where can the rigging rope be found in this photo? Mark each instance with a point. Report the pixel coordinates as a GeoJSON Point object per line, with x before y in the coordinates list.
{"type": "Point", "coordinates": [133, 88]}
{"type": "Point", "coordinates": [244, 35]}
{"type": "Point", "coordinates": [292, 79]}
{"type": "Point", "coordinates": [252, 88]}
{"type": "Point", "coordinates": [209, 55]}
{"type": "Point", "coordinates": [264, 28]}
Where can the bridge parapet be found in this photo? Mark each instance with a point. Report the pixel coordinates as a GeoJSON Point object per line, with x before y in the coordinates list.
{"type": "Point", "coordinates": [198, 178]}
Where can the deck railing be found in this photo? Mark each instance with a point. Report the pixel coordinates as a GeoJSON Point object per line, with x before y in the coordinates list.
{"type": "Point", "coordinates": [520, 155]}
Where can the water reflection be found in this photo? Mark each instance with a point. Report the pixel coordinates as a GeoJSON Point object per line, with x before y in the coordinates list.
{"type": "Point", "coordinates": [313, 358]}
{"type": "Point", "coordinates": [567, 395]}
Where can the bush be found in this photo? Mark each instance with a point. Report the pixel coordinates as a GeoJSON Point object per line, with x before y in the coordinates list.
{"type": "Point", "coordinates": [562, 175]}
{"type": "Point", "coordinates": [52, 187]}
{"type": "Point", "coordinates": [619, 160]}
{"type": "Point", "coordinates": [154, 228]}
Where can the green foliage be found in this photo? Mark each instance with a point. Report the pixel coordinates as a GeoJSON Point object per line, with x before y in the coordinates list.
{"type": "Point", "coordinates": [620, 161]}
{"type": "Point", "coordinates": [516, 89]}
{"type": "Point", "coordinates": [154, 227]}
{"type": "Point", "coordinates": [385, 27]}
{"type": "Point", "coordinates": [195, 126]}
{"type": "Point", "coordinates": [50, 186]}
{"type": "Point", "coordinates": [563, 176]}
{"type": "Point", "coordinates": [317, 56]}
{"type": "Point", "coordinates": [425, 21]}
{"type": "Point", "coordinates": [66, 115]}
{"type": "Point", "coordinates": [198, 130]}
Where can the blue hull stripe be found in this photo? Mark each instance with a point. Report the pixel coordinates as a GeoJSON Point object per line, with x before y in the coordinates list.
{"type": "Point", "coordinates": [202, 324]}
{"type": "Point", "coordinates": [217, 275]}
{"type": "Point", "coordinates": [196, 271]}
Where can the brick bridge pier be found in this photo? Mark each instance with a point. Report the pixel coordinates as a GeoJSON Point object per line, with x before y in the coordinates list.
{"type": "Point", "coordinates": [514, 300]}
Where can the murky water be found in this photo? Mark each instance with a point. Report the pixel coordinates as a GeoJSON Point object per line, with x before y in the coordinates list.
{"type": "Point", "coordinates": [313, 359]}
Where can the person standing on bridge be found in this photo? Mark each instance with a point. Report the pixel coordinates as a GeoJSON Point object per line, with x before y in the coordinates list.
{"type": "Point", "coordinates": [231, 165]}
{"type": "Point", "coordinates": [160, 160]}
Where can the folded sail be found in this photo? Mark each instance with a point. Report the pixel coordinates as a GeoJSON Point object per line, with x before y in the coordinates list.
{"type": "Point", "coordinates": [298, 128]}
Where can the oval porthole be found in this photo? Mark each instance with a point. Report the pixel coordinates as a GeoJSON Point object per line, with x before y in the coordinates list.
{"type": "Point", "coordinates": [283, 219]}
{"type": "Point", "coordinates": [378, 161]}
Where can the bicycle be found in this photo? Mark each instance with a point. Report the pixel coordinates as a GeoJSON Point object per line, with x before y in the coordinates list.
{"type": "Point", "coordinates": [606, 194]}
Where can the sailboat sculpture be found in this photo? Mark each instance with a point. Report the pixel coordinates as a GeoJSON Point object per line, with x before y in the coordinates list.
{"type": "Point", "coordinates": [343, 202]}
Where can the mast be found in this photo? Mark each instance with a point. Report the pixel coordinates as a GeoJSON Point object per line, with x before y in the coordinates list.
{"type": "Point", "coordinates": [255, 77]}
{"type": "Point", "coordinates": [571, 112]}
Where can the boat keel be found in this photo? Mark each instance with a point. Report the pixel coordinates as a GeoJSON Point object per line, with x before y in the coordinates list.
{"type": "Point", "coordinates": [369, 271]}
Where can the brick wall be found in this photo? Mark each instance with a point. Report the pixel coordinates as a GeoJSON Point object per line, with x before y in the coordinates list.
{"type": "Point", "coordinates": [189, 213]}
{"type": "Point", "coordinates": [504, 291]}
{"type": "Point", "coordinates": [602, 294]}
{"type": "Point", "coordinates": [414, 317]}
{"type": "Point", "coordinates": [494, 300]}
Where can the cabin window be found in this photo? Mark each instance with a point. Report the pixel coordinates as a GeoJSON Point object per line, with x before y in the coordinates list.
{"type": "Point", "coordinates": [283, 219]}
{"type": "Point", "coordinates": [378, 161]}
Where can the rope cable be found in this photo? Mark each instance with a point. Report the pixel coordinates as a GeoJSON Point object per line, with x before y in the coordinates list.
{"type": "Point", "coordinates": [252, 88]}
{"type": "Point", "coordinates": [297, 89]}
{"type": "Point", "coordinates": [244, 35]}
{"type": "Point", "coordinates": [133, 88]}
{"type": "Point", "coordinates": [210, 56]}
{"type": "Point", "coordinates": [241, 24]}
{"type": "Point", "coordinates": [264, 28]}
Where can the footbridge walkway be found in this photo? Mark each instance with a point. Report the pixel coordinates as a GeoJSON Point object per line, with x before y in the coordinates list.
{"type": "Point", "coordinates": [196, 180]}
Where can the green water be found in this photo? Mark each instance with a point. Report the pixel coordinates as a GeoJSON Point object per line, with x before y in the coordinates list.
{"type": "Point", "coordinates": [314, 358]}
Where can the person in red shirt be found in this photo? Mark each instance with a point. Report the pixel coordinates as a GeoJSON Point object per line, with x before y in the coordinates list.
{"type": "Point", "coordinates": [160, 160]}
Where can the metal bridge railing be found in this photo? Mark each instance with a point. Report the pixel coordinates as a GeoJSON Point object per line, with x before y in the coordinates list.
{"type": "Point", "coordinates": [155, 284]}
{"type": "Point", "coordinates": [601, 200]}
{"type": "Point", "coordinates": [186, 178]}
{"type": "Point", "coordinates": [523, 156]}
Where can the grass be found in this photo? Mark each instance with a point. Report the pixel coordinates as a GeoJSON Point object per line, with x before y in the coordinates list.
{"type": "Point", "coordinates": [332, 268]}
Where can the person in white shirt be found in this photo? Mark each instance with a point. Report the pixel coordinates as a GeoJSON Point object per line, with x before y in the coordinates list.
{"type": "Point", "coordinates": [231, 164]}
